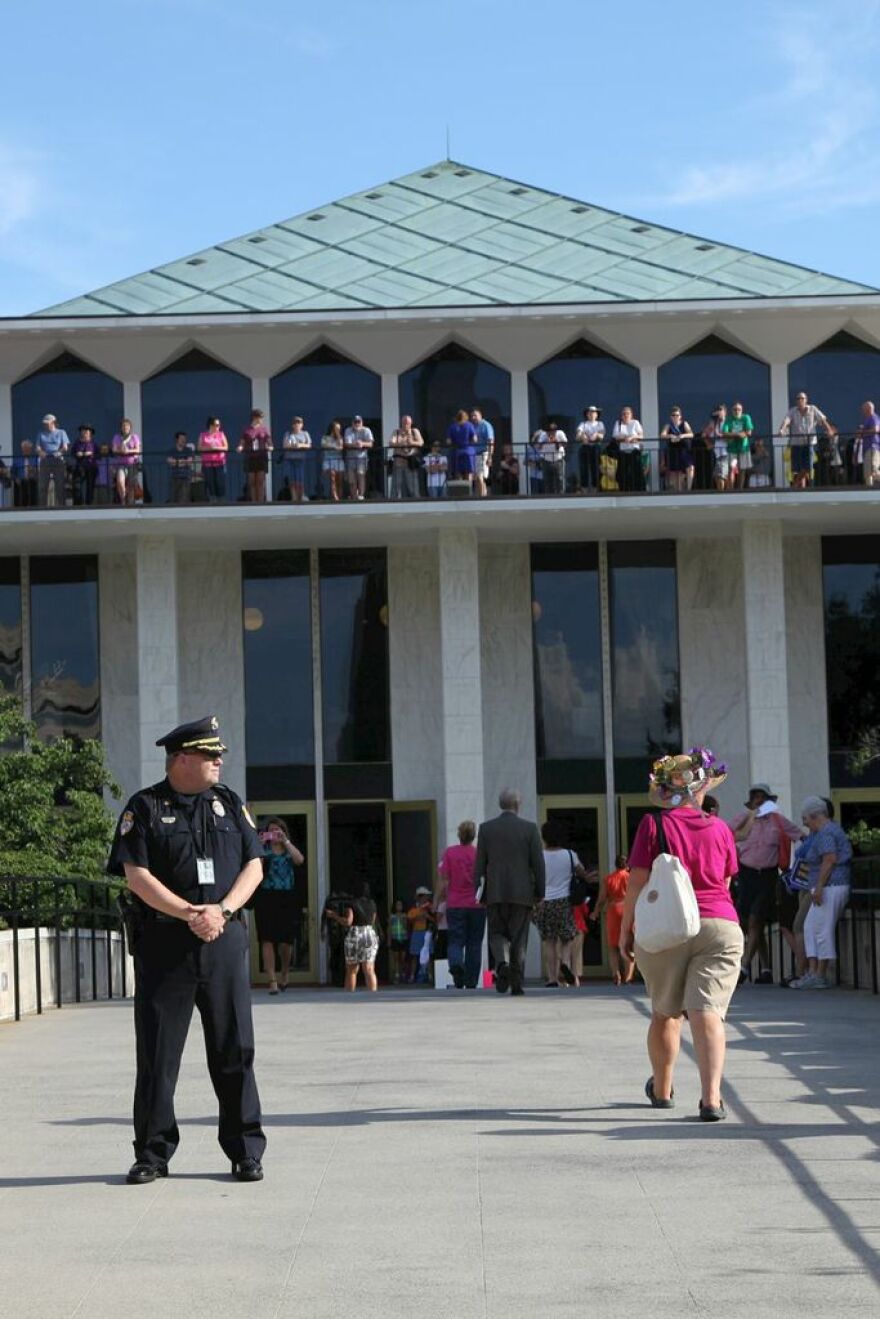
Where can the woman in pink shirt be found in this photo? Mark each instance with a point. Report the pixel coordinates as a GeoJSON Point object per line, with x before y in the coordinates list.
{"type": "Point", "coordinates": [466, 919]}
{"type": "Point", "coordinates": [697, 978]}
{"type": "Point", "coordinates": [213, 447]}
{"type": "Point", "coordinates": [127, 461]}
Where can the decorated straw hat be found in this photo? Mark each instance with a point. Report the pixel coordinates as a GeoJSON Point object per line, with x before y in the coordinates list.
{"type": "Point", "coordinates": [676, 780]}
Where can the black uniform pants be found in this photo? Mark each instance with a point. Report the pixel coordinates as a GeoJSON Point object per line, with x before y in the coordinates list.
{"type": "Point", "coordinates": [174, 972]}
{"type": "Point", "coordinates": [509, 934]}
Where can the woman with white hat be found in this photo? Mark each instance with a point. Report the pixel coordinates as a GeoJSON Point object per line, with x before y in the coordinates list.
{"type": "Point", "coordinates": [697, 977]}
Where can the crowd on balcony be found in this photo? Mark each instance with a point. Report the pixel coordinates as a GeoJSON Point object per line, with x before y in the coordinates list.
{"type": "Point", "coordinates": [722, 454]}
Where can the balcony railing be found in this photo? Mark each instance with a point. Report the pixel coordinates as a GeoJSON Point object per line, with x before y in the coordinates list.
{"type": "Point", "coordinates": [516, 472]}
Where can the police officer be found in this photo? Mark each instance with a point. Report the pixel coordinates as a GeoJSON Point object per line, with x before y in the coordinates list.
{"type": "Point", "coordinates": [191, 856]}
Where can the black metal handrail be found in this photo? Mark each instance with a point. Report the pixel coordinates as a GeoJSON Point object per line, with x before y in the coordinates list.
{"type": "Point", "coordinates": [533, 470]}
{"type": "Point", "coordinates": [859, 917]}
{"type": "Point", "coordinates": [62, 905]}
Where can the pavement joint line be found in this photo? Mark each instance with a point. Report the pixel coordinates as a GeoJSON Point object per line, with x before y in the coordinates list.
{"type": "Point", "coordinates": [482, 1231]}
{"type": "Point", "coordinates": [114, 1255]}
{"type": "Point", "coordinates": [312, 1203]}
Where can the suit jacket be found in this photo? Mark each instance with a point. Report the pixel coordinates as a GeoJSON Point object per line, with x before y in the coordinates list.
{"type": "Point", "coordinates": [511, 859]}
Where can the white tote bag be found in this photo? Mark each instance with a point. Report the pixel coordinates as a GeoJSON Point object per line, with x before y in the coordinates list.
{"type": "Point", "coordinates": [666, 913]}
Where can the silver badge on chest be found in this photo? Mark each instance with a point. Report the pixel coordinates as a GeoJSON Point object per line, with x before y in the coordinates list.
{"type": "Point", "coordinates": [218, 808]}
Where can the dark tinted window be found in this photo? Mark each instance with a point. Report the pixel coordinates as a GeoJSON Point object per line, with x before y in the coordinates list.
{"type": "Point", "coordinates": [851, 575]}
{"type": "Point", "coordinates": [568, 652]}
{"type": "Point", "coordinates": [354, 656]}
{"type": "Point", "coordinates": [321, 388]}
{"type": "Point", "coordinates": [76, 393]}
{"type": "Point", "coordinates": [10, 626]}
{"type": "Point", "coordinates": [644, 658]}
{"type": "Point", "coordinates": [65, 664]}
{"type": "Point", "coordinates": [713, 372]}
{"type": "Point", "coordinates": [181, 397]}
{"type": "Point", "coordinates": [452, 378]}
{"type": "Point", "coordinates": [279, 718]}
{"type": "Point", "coordinates": [838, 377]}
{"type": "Point", "coordinates": [581, 374]}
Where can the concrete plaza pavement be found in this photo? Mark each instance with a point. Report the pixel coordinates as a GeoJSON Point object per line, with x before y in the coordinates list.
{"type": "Point", "coordinates": [453, 1155]}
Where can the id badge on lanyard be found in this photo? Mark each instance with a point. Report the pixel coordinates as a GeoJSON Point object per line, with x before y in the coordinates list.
{"type": "Point", "coordinates": [205, 870]}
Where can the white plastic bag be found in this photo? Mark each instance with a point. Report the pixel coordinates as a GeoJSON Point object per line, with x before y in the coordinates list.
{"type": "Point", "coordinates": [425, 952]}
{"type": "Point", "coordinates": [666, 913]}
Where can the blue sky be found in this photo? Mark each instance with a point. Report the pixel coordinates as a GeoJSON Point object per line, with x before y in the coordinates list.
{"type": "Point", "coordinates": [133, 132]}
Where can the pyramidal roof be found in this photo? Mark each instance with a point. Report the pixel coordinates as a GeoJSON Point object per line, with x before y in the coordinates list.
{"type": "Point", "coordinates": [451, 236]}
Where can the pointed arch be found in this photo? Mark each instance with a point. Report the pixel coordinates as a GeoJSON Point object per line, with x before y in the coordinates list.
{"type": "Point", "coordinates": [454, 376]}
{"type": "Point", "coordinates": [73, 390]}
{"type": "Point", "coordinates": [577, 375]}
{"type": "Point", "coordinates": [838, 376]}
{"type": "Point", "coordinates": [712, 371]}
{"type": "Point", "coordinates": [180, 395]}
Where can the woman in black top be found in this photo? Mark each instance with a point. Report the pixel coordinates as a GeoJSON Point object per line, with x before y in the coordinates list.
{"type": "Point", "coordinates": [361, 940]}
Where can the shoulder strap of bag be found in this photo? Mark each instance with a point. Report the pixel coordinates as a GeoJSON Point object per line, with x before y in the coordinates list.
{"type": "Point", "coordinates": [662, 843]}
{"type": "Point", "coordinates": [571, 861]}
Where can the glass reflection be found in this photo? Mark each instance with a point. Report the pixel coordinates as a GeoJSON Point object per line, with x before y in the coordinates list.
{"type": "Point", "coordinates": [644, 654]}
{"type": "Point", "coordinates": [838, 377]}
{"type": "Point", "coordinates": [279, 719]}
{"type": "Point", "coordinates": [568, 653]}
{"type": "Point", "coordinates": [581, 374]}
{"type": "Point", "coordinates": [76, 393]}
{"type": "Point", "coordinates": [711, 372]}
{"type": "Point", "coordinates": [452, 378]}
{"type": "Point", "coordinates": [321, 388]}
{"type": "Point", "coordinates": [10, 626]}
{"type": "Point", "coordinates": [65, 659]}
{"type": "Point", "coordinates": [181, 397]}
{"type": "Point", "coordinates": [851, 576]}
{"type": "Point", "coordinates": [354, 656]}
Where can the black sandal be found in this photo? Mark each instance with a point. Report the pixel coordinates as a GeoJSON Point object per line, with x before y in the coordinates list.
{"type": "Point", "coordinates": [709, 1113]}
{"type": "Point", "coordinates": [655, 1102]}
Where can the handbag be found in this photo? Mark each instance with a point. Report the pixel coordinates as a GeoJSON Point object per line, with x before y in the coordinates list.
{"type": "Point", "coordinates": [666, 913]}
{"type": "Point", "coordinates": [578, 889]}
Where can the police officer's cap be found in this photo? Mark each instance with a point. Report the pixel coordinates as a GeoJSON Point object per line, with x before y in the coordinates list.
{"type": "Point", "coordinates": [200, 735]}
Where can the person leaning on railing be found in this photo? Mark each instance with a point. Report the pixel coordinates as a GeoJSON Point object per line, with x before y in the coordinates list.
{"type": "Point", "coordinates": [678, 454]}
{"type": "Point", "coordinates": [332, 463]}
{"type": "Point", "coordinates": [85, 466]}
{"type": "Point", "coordinates": [127, 464]}
{"type": "Point", "coordinates": [738, 429]}
{"type": "Point", "coordinates": [52, 446]}
{"type": "Point", "coordinates": [866, 448]}
{"type": "Point", "coordinates": [181, 460]}
{"type": "Point", "coordinates": [629, 435]}
{"type": "Point", "coordinates": [802, 424]}
{"type": "Point", "coordinates": [589, 437]}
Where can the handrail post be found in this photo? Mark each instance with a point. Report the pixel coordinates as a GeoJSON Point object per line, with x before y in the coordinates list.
{"type": "Point", "coordinates": [38, 969]}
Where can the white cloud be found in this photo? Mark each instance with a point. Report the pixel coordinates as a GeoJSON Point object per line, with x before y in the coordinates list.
{"type": "Point", "coordinates": [813, 132]}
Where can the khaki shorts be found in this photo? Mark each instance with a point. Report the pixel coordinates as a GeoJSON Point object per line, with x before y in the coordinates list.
{"type": "Point", "coordinates": [698, 976]}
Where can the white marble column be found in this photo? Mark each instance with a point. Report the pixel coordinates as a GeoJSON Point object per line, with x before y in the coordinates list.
{"type": "Point", "coordinates": [390, 416]}
{"type": "Point", "coordinates": [766, 658]}
{"type": "Point", "coordinates": [463, 785]}
{"type": "Point", "coordinates": [520, 429]}
{"type": "Point", "coordinates": [156, 594]}
{"type": "Point", "coordinates": [131, 405]}
{"type": "Point", "coordinates": [6, 436]}
{"type": "Point", "coordinates": [508, 705]}
{"type": "Point", "coordinates": [650, 420]}
{"type": "Point", "coordinates": [807, 682]}
{"type": "Point", "coordinates": [779, 405]}
{"type": "Point", "coordinates": [120, 713]}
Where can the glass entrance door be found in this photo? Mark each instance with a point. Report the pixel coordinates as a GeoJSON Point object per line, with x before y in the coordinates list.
{"type": "Point", "coordinates": [299, 820]}
{"type": "Point", "coordinates": [583, 822]}
{"type": "Point", "coordinates": [389, 845]}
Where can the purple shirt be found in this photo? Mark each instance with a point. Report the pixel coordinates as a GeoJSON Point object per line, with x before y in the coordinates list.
{"type": "Point", "coordinates": [869, 432]}
{"type": "Point", "coordinates": [462, 434]}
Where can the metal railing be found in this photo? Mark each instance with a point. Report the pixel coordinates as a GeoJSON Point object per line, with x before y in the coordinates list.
{"type": "Point", "coordinates": [81, 920]}
{"type": "Point", "coordinates": [515, 471]}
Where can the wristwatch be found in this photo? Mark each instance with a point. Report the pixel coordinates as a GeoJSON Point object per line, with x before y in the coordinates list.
{"type": "Point", "coordinates": [227, 913]}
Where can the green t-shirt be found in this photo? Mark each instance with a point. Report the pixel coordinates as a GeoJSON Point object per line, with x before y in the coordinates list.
{"type": "Point", "coordinates": [737, 428]}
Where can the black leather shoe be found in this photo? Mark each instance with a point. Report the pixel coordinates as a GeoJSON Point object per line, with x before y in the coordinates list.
{"type": "Point", "coordinates": [457, 973]}
{"type": "Point", "coordinates": [502, 978]}
{"type": "Point", "coordinates": [248, 1170]}
{"type": "Point", "coordinates": [142, 1172]}
{"type": "Point", "coordinates": [516, 987]}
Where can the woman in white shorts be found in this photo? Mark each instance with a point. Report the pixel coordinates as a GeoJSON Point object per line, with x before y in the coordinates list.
{"type": "Point", "coordinates": [827, 857]}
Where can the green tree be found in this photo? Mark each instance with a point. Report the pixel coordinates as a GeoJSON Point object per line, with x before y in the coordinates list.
{"type": "Point", "coordinates": [53, 818]}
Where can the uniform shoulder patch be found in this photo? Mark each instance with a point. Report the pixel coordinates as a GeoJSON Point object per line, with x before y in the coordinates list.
{"type": "Point", "coordinates": [126, 822]}
{"type": "Point", "coordinates": [247, 815]}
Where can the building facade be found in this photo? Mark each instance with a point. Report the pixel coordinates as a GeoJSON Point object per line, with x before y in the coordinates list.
{"type": "Point", "coordinates": [380, 669]}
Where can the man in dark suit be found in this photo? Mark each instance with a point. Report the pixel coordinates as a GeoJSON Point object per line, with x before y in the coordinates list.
{"type": "Point", "coordinates": [511, 861]}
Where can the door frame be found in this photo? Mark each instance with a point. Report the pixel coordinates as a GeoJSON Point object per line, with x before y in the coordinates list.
{"type": "Point", "coordinates": [306, 808]}
{"type": "Point", "coordinates": [624, 801]}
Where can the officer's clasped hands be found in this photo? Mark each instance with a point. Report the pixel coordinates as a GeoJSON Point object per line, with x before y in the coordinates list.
{"type": "Point", "coordinates": [206, 922]}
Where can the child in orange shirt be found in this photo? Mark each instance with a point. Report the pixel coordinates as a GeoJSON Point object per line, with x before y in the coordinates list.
{"type": "Point", "coordinates": [419, 918]}
{"type": "Point", "coordinates": [612, 895]}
